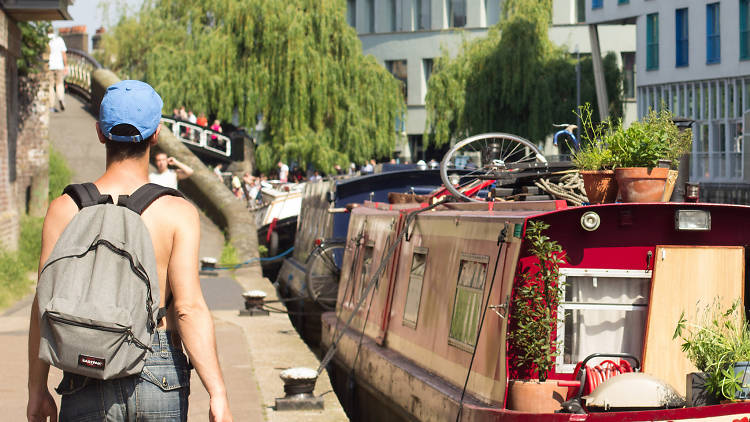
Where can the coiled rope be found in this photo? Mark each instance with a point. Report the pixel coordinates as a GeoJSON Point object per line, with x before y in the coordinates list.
{"type": "Point", "coordinates": [569, 188]}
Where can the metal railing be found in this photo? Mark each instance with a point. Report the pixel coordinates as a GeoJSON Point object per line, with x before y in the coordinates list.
{"type": "Point", "coordinates": [80, 67]}
{"type": "Point", "coordinates": [199, 136]}
{"type": "Point", "coordinates": [78, 79]}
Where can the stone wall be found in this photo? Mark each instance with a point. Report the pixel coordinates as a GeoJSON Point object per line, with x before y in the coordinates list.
{"type": "Point", "coordinates": [10, 39]}
{"type": "Point", "coordinates": [32, 154]}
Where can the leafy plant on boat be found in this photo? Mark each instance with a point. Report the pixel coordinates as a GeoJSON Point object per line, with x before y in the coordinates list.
{"type": "Point", "coordinates": [535, 302]}
{"type": "Point", "coordinates": [720, 339]}
{"type": "Point", "coordinates": [593, 154]}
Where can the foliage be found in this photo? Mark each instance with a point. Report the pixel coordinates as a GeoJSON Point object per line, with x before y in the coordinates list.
{"type": "Point", "coordinates": [229, 256]}
{"type": "Point", "coordinates": [645, 142]}
{"type": "Point", "coordinates": [715, 344]}
{"type": "Point", "coordinates": [535, 303]}
{"type": "Point", "coordinates": [34, 42]}
{"type": "Point", "coordinates": [296, 63]}
{"type": "Point", "coordinates": [16, 266]}
{"type": "Point", "coordinates": [594, 154]}
{"type": "Point", "coordinates": [514, 80]}
{"type": "Point", "coordinates": [59, 173]}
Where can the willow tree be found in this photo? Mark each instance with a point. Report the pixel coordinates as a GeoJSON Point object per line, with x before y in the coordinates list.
{"type": "Point", "coordinates": [514, 80]}
{"type": "Point", "coordinates": [297, 63]}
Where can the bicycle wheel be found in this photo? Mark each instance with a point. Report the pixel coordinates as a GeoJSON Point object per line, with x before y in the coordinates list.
{"type": "Point", "coordinates": [323, 269]}
{"type": "Point", "coordinates": [478, 160]}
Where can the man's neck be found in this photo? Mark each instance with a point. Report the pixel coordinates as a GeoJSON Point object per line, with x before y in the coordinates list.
{"type": "Point", "coordinates": [124, 176]}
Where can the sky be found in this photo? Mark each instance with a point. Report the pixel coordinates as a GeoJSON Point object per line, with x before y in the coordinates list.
{"type": "Point", "coordinates": [93, 13]}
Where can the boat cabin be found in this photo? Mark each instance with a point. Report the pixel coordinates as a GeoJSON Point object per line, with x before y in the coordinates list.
{"type": "Point", "coordinates": [430, 333]}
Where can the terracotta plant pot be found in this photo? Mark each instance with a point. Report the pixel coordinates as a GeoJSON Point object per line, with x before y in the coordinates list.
{"type": "Point", "coordinates": [639, 184]}
{"type": "Point", "coordinates": [600, 185]}
{"type": "Point", "coordinates": [535, 397]}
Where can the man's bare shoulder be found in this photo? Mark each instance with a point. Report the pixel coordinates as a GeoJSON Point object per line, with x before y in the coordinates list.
{"type": "Point", "coordinates": [61, 210]}
{"type": "Point", "coordinates": [173, 209]}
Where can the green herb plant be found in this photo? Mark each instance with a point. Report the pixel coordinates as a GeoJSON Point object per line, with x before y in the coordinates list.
{"type": "Point", "coordinates": [645, 142]}
{"type": "Point", "coordinates": [594, 154]}
{"type": "Point", "coordinates": [714, 344]}
{"type": "Point", "coordinates": [535, 303]}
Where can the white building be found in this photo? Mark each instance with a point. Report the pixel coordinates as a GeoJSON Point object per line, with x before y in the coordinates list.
{"type": "Point", "coordinates": [407, 36]}
{"type": "Point", "coordinates": [693, 56]}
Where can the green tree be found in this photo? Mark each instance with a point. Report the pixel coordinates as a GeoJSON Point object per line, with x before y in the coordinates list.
{"type": "Point", "coordinates": [33, 44]}
{"type": "Point", "coordinates": [296, 62]}
{"type": "Point", "coordinates": [514, 80]}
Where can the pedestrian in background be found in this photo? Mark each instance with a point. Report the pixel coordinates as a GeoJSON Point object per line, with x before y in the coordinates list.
{"type": "Point", "coordinates": [58, 66]}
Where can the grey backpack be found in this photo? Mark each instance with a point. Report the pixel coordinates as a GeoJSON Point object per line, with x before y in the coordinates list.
{"type": "Point", "coordinates": [98, 291]}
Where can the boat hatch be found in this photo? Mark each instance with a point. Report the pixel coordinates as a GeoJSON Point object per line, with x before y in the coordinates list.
{"type": "Point", "coordinates": [604, 310]}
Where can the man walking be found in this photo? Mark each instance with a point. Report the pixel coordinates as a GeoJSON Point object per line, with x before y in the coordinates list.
{"type": "Point", "coordinates": [128, 128]}
{"type": "Point", "coordinates": [164, 175]}
{"type": "Point", "coordinates": [58, 65]}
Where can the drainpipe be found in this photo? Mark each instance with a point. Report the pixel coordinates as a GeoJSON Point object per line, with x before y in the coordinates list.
{"type": "Point", "coordinates": [601, 87]}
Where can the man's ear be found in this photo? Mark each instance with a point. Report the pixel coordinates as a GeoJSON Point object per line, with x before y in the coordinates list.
{"type": "Point", "coordinates": [99, 133]}
{"type": "Point", "coordinates": [155, 138]}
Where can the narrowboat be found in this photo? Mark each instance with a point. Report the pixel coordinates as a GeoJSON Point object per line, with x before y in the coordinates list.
{"type": "Point", "coordinates": [425, 308]}
{"type": "Point", "coordinates": [309, 276]}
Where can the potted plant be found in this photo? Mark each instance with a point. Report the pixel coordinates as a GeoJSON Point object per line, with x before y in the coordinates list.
{"type": "Point", "coordinates": [638, 151]}
{"type": "Point", "coordinates": [594, 160]}
{"type": "Point", "coordinates": [719, 346]}
{"type": "Point", "coordinates": [536, 297]}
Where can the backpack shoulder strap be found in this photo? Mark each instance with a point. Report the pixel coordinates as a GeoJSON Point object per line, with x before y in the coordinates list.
{"type": "Point", "coordinates": [139, 200]}
{"type": "Point", "coordinates": [86, 195]}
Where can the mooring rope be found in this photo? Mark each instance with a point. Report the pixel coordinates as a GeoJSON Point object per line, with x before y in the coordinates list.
{"type": "Point", "coordinates": [570, 188]}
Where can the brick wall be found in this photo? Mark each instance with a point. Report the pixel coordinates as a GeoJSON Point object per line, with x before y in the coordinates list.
{"type": "Point", "coordinates": [9, 52]}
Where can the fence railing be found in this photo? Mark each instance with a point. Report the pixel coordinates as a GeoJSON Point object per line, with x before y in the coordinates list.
{"type": "Point", "coordinates": [199, 136]}
{"type": "Point", "coordinates": [80, 66]}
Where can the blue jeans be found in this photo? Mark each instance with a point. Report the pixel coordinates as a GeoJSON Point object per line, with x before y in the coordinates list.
{"type": "Point", "coordinates": [159, 393]}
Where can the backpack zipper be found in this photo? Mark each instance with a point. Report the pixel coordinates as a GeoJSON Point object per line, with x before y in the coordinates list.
{"type": "Point", "coordinates": [139, 272]}
{"type": "Point", "coordinates": [126, 330]}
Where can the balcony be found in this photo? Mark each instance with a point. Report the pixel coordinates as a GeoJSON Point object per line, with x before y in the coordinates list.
{"type": "Point", "coordinates": [35, 10]}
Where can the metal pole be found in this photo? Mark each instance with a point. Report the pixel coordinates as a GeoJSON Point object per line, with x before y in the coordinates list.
{"type": "Point", "coordinates": [578, 93]}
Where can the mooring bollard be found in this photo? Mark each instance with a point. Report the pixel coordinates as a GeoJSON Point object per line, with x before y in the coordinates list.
{"type": "Point", "coordinates": [254, 303]}
{"type": "Point", "coordinates": [299, 384]}
{"type": "Point", "coordinates": [208, 266]}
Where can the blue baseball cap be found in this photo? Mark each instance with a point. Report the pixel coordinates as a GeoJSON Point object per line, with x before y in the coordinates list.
{"type": "Point", "coordinates": [130, 102]}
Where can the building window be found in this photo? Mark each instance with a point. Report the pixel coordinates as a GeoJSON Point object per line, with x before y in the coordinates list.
{"type": "Point", "coordinates": [423, 14]}
{"type": "Point", "coordinates": [426, 72]}
{"type": "Point", "coordinates": [351, 13]}
{"type": "Point", "coordinates": [652, 41]}
{"type": "Point", "coordinates": [623, 1]}
{"type": "Point", "coordinates": [581, 11]}
{"type": "Point", "coordinates": [394, 16]}
{"type": "Point", "coordinates": [398, 70]}
{"type": "Point", "coordinates": [414, 292]}
{"type": "Point", "coordinates": [456, 13]}
{"type": "Point", "coordinates": [628, 74]}
{"type": "Point", "coordinates": [596, 4]}
{"type": "Point", "coordinates": [602, 310]}
{"type": "Point", "coordinates": [744, 29]}
{"type": "Point", "coordinates": [713, 37]}
{"type": "Point", "coordinates": [681, 40]}
{"type": "Point", "coordinates": [467, 304]}
{"type": "Point", "coordinates": [370, 16]}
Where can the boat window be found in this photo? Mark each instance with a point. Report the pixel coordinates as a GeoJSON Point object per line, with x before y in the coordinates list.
{"type": "Point", "coordinates": [414, 293]}
{"type": "Point", "coordinates": [604, 311]}
{"type": "Point", "coordinates": [467, 304]}
{"type": "Point", "coordinates": [366, 267]}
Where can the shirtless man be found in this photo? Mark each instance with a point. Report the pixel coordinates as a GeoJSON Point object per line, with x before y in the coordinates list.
{"type": "Point", "coordinates": [175, 231]}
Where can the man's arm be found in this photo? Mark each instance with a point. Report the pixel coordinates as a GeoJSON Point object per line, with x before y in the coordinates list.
{"type": "Point", "coordinates": [41, 404]}
{"type": "Point", "coordinates": [183, 170]}
{"type": "Point", "coordinates": [193, 318]}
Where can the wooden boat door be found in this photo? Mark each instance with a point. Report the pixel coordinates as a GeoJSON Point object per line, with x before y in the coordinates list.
{"type": "Point", "coordinates": [686, 279]}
